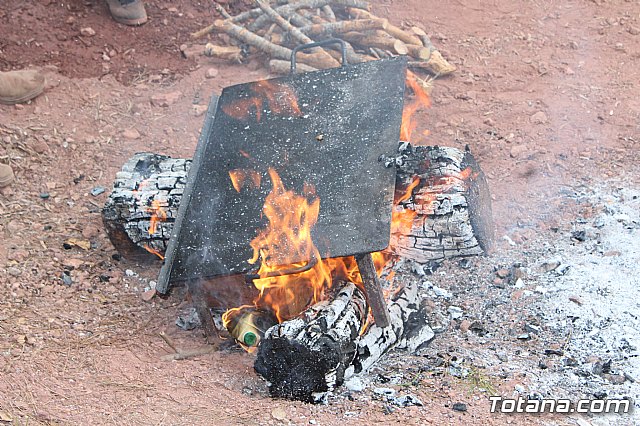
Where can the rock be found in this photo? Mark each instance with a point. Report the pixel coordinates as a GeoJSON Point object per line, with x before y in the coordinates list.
{"type": "Point", "coordinates": [455, 312]}
{"type": "Point", "coordinates": [72, 263]}
{"type": "Point", "coordinates": [198, 110]}
{"type": "Point", "coordinates": [517, 151]}
{"type": "Point", "coordinates": [580, 236]}
{"type": "Point", "coordinates": [385, 392]}
{"type": "Point", "coordinates": [131, 134]}
{"type": "Point", "coordinates": [211, 73]}
{"type": "Point", "coordinates": [502, 273]}
{"type": "Point", "coordinates": [148, 295]}
{"type": "Point", "coordinates": [550, 265]}
{"type": "Point", "coordinates": [634, 30]}
{"type": "Point", "coordinates": [465, 325]}
{"type": "Point", "coordinates": [14, 272]}
{"type": "Point", "coordinates": [95, 191]}
{"type": "Point", "coordinates": [165, 99]}
{"type": "Point", "coordinates": [539, 118]}
{"type": "Point", "coordinates": [279, 413]}
{"type": "Point", "coordinates": [459, 406]}
{"type": "Point", "coordinates": [407, 401]}
{"type": "Point", "coordinates": [40, 147]}
{"type": "Point", "coordinates": [354, 384]}
{"type": "Point", "coordinates": [87, 31]}
{"type": "Point", "coordinates": [66, 279]}
{"type": "Point", "coordinates": [575, 299]}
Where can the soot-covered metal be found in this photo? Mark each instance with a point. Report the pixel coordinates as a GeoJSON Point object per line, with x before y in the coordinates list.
{"type": "Point", "coordinates": [327, 129]}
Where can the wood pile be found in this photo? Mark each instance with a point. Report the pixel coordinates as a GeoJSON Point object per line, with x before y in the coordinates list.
{"type": "Point", "coordinates": [273, 29]}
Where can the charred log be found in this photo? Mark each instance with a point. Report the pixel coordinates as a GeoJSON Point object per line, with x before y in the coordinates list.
{"type": "Point", "coordinates": [309, 356]}
{"type": "Point", "coordinates": [451, 201]}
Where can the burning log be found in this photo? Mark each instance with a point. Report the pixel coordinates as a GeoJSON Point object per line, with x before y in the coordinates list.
{"type": "Point", "coordinates": [310, 353]}
{"type": "Point", "coordinates": [451, 204]}
{"type": "Point", "coordinates": [309, 356]}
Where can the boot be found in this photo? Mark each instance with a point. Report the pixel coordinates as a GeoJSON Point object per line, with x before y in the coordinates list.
{"type": "Point", "coordinates": [6, 175]}
{"type": "Point", "coordinates": [128, 12]}
{"type": "Point", "coordinates": [20, 86]}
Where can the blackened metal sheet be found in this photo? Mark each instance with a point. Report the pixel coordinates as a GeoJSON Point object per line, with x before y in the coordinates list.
{"type": "Point", "coordinates": [345, 119]}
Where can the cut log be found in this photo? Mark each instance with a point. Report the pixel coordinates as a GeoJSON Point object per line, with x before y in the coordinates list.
{"type": "Point", "coordinates": [332, 28]}
{"type": "Point", "coordinates": [392, 30]}
{"type": "Point", "coordinates": [436, 64]}
{"type": "Point", "coordinates": [381, 42]}
{"type": "Point", "coordinates": [308, 355]}
{"type": "Point", "coordinates": [232, 53]}
{"type": "Point", "coordinates": [452, 203]}
{"type": "Point", "coordinates": [279, 67]}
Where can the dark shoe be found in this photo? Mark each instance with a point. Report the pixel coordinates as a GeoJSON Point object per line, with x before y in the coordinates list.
{"type": "Point", "coordinates": [20, 86]}
{"type": "Point", "coordinates": [6, 175]}
{"type": "Point", "coordinates": [128, 12]}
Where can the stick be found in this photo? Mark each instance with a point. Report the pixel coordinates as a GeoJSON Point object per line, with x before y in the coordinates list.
{"type": "Point", "coordinates": [392, 30]}
{"type": "Point", "coordinates": [344, 26]}
{"type": "Point", "coordinates": [190, 353]}
{"type": "Point", "coordinates": [168, 341]}
{"type": "Point", "coordinates": [384, 43]}
{"type": "Point", "coordinates": [436, 65]}
{"type": "Point", "coordinates": [277, 66]}
{"type": "Point", "coordinates": [295, 33]}
{"type": "Point", "coordinates": [419, 52]}
{"type": "Point", "coordinates": [223, 52]}
{"type": "Point", "coordinates": [260, 43]}
{"type": "Point", "coordinates": [221, 10]}
{"type": "Point", "coordinates": [328, 12]}
{"type": "Point", "coordinates": [422, 35]}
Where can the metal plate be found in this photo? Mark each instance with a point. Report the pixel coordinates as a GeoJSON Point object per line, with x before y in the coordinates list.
{"type": "Point", "coordinates": [347, 118]}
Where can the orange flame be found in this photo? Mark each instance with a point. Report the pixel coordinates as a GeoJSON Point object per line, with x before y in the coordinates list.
{"type": "Point", "coordinates": [158, 214]}
{"type": "Point", "coordinates": [280, 98]}
{"type": "Point", "coordinates": [153, 251]}
{"type": "Point", "coordinates": [239, 177]}
{"type": "Point", "coordinates": [420, 101]}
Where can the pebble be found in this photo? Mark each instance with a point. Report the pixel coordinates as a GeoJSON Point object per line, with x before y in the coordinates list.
{"type": "Point", "coordinates": [455, 312]}
{"type": "Point", "coordinates": [87, 31]}
{"type": "Point", "coordinates": [97, 190]}
{"type": "Point", "coordinates": [165, 99]}
{"type": "Point", "coordinates": [550, 265]}
{"type": "Point", "coordinates": [502, 273]}
{"type": "Point", "coordinates": [279, 413]}
{"type": "Point", "coordinates": [44, 195]}
{"type": "Point", "coordinates": [198, 110]}
{"type": "Point", "coordinates": [14, 272]}
{"type": "Point", "coordinates": [211, 73]}
{"type": "Point", "coordinates": [459, 406]}
{"type": "Point", "coordinates": [517, 151]}
{"type": "Point", "coordinates": [539, 118]}
{"type": "Point", "coordinates": [465, 325]}
{"type": "Point", "coordinates": [131, 134]}
{"type": "Point", "coordinates": [148, 295]}
{"type": "Point", "coordinates": [130, 273]}
{"type": "Point", "coordinates": [66, 279]}
{"type": "Point", "coordinates": [354, 384]}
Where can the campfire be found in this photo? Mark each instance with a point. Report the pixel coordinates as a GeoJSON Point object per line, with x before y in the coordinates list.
{"type": "Point", "coordinates": [298, 200]}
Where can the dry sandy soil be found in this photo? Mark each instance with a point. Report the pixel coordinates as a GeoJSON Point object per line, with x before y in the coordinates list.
{"type": "Point", "coordinates": [545, 95]}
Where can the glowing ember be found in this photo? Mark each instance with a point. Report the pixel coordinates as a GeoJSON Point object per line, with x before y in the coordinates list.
{"type": "Point", "coordinates": [153, 251]}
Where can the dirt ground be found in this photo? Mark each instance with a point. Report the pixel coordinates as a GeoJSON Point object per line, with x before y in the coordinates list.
{"type": "Point", "coordinates": [545, 95]}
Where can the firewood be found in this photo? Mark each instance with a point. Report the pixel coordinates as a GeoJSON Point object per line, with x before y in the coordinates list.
{"type": "Point", "coordinates": [422, 35]}
{"type": "Point", "coordinates": [453, 214]}
{"type": "Point", "coordinates": [295, 33]}
{"type": "Point", "coordinates": [328, 13]}
{"type": "Point", "coordinates": [279, 67]}
{"type": "Point", "coordinates": [408, 330]}
{"type": "Point", "coordinates": [309, 354]}
{"type": "Point", "coordinates": [274, 50]}
{"type": "Point", "coordinates": [331, 28]}
{"type": "Point", "coordinates": [391, 29]}
{"type": "Point", "coordinates": [419, 52]}
{"type": "Point", "coordinates": [385, 43]}
{"type": "Point", "coordinates": [232, 53]}
{"type": "Point", "coordinates": [436, 64]}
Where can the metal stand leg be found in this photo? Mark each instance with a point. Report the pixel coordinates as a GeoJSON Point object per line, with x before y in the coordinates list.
{"type": "Point", "coordinates": [373, 290]}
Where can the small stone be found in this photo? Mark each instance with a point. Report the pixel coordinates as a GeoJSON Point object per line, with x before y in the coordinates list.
{"type": "Point", "coordinates": [455, 312]}
{"type": "Point", "coordinates": [634, 30]}
{"type": "Point", "coordinates": [87, 31]}
{"type": "Point", "coordinates": [131, 134]}
{"type": "Point", "coordinates": [70, 20]}
{"type": "Point", "coordinates": [539, 118]}
{"type": "Point", "coordinates": [616, 379]}
{"type": "Point", "coordinates": [198, 110]}
{"type": "Point", "coordinates": [459, 406]}
{"type": "Point", "coordinates": [165, 99]}
{"type": "Point", "coordinates": [354, 384]}
{"type": "Point", "coordinates": [66, 279]}
{"type": "Point", "coordinates": [97, 190]}
{"type": "Point", "coordinates": [211, 73]}
{"type": "Point", "coordinates": [465, 325]}
{"type": "Point", "coordinates": [580, 236]}
{"type": "Point", "coordinates": [40, 147]}
{"type": "Point", "coordinates": [550, 265]}
{"type": "Point", "coordinates": [575, 299]}
{"type": "Point", "coordinates": [569, 71]}
{"type": "Point", "coordinates": [72, 263]}
{"type": "Point", "coordinates": [14, 272]}
{"type": "Point", "coordinates": [519, 283]}
{"type": "Point", "coordinates": [279, 414]}
{"type": "Point", "coordinates": [44, 195]}
{"type": "Point", "coordinates": [517, 150]}
{"type": "Point", "coordinates": [524, 336]}
{"type": "Point", "coordinates": [502, 273]}
{"type": "Point", "coordinates": [148, 295]}
{"type": "Point", "coordinates": [385, 392]}
{"type": "Point", "coordinates": [130, 273]}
